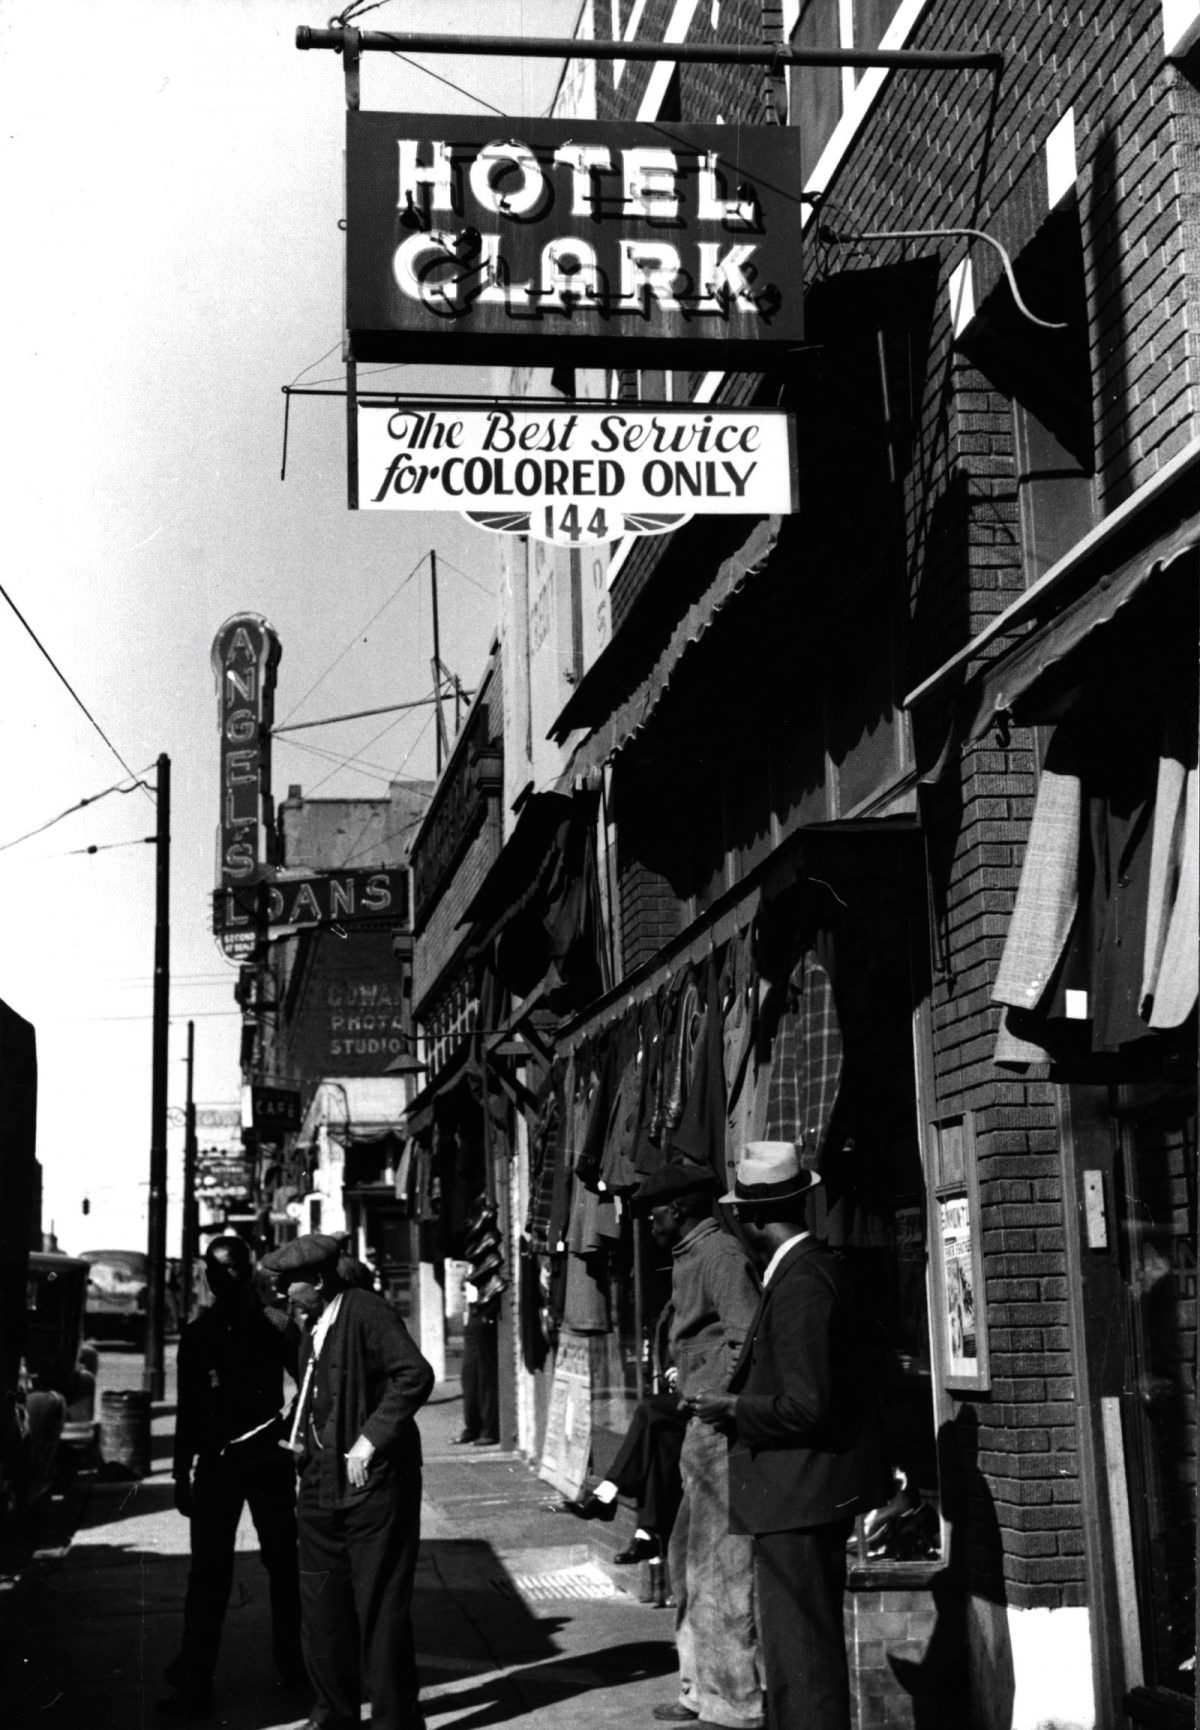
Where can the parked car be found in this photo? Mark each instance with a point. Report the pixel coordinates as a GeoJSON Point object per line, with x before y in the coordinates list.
{"type": "Point", "coordinates": [58, 1361]}
{"type": "Point", "coordinates": [116, 1294]}
{"type": "Point", "coordinates": [51, 1428]}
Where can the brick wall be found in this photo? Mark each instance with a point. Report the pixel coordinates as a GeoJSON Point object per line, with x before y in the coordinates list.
{"type": "Point", "coordinates": [443, 937]}
{"type": "Point", "coordinates": [953, 148]}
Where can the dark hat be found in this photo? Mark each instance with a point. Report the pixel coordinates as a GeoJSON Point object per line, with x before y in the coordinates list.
{"type": "Point", "coordinates": [670, 1181]}
{"type": "Point", "coordinates": [311, 1250]}
{"type": "Point", "coordinates": [770, 1171]}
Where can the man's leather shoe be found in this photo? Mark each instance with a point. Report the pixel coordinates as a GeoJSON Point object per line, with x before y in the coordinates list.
{"type": "Point", "coordinates": [589, 1508]}
{"type": "Point", "coordinates": [466, 1437]}
{"type": "Point", "coordinates": [638, 1550]}
{"type": "Point", "coordinates": [674, 1713]}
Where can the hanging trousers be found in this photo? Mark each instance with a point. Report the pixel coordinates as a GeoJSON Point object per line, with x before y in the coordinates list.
{"type": "Point", "coordinates": [646, 1466]}
{"type": "Point", "coordinates": [263, 1475]}
{"type": "Point", "coordinates": [481, 1378]}
{"type": "Point", "coordinates": [356, 1578]}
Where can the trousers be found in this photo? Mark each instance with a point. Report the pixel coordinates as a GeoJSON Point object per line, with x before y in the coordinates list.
{"type": "Point", "coordinates": [356, 1579]}
{"type": "Point", "coordinates": [481, 1378]}
{"type": "Point", "coordinates": [801, 1581]}
{"type": "Point", "coordinates": [712, 1575]}
{"type": "Point", "coordinates": [646, 1465]}
{"type": "Point", "coordinates": [263, 1476]}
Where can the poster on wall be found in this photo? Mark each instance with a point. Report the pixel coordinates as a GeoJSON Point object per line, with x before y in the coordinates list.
{"type": "Point", "coordinates": [958, 1285]}
{"type": "Point", "coordinates": [568, 1440]}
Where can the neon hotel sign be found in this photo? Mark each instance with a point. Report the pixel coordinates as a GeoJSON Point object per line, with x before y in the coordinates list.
{"type": "Point", "coordinates": [583, 232]}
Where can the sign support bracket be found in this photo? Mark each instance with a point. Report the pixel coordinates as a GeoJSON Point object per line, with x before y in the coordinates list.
{"type": "Point", "coordinates": [352, 43]}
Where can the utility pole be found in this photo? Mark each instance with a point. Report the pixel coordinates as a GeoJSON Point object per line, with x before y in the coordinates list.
{"type": "Point", "coordinates": [440, 743]}
{"type": "Point", "coordinates": [187, 1248]}
{"type": "Point", "coordinates": [156, 1236]}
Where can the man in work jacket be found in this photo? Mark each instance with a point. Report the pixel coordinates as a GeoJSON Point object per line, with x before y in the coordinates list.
{"type": "Point", "coordinates": [362, 1380]}
{"type": "Point", "coordinates": [714, 1294]}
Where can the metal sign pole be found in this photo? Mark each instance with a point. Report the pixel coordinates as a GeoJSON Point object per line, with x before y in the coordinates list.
{"type": "Point", "coordinates": [774, 55]}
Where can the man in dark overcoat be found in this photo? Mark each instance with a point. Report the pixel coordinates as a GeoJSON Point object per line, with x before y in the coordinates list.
{"type": "Point", "coordinates": [362, 1381]}
{"type": "Point", "coordinates": [801, 1447]}
{"type": "Point", "coordinates": [229, 1422]}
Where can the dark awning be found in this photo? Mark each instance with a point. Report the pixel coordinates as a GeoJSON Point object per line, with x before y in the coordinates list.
{"type": "Point", "coordinates": [615, 716]}
{"type": "Point", "coordinates": [517, 872]}
{"type": "Point", "coordinates": [1141, 545]}
{"type": "Point", "coordinates": [1011, 685]}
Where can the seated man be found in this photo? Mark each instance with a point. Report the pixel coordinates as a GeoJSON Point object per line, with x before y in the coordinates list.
{"type": "Point", "coordinates": [645, 1469]}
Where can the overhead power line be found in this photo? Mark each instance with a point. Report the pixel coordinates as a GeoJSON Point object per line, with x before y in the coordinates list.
{"type": "Point", "coordinates": [403, 584]}
{"type": "Point", "coordinates": [70, 687]}
{"type": "Point", "coordinates": [70, 811]}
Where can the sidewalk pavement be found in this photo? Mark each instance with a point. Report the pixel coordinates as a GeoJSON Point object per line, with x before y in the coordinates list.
{"type": "Point", "coordinates": [520, 1616]}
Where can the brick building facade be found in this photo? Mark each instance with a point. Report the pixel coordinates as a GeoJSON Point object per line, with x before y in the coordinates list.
{"type": "Point", "coordinates": [998, 481]}
{"type": "Point", "coordinates": [937, 730]}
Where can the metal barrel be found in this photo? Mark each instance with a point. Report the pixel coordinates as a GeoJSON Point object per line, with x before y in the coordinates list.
{"type": "Point", "coordinates": [125, 1430]}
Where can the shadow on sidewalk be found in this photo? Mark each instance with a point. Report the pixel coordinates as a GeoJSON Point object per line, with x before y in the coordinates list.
{"type": "Point", "coordinates": [499, 1699]}
{"type": "Point", "coordinates": [86, 1636]}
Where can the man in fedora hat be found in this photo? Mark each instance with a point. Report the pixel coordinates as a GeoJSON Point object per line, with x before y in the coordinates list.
{"type": "Point", "coordinates": [362, 1380]}
{"type": "Point", "coordinates": [714, 1295]}
{"type": "Point", "coordinates": [796, 1418]}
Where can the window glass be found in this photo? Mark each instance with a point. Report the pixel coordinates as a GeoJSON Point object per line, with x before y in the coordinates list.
{"type": "Point", "coordinates": [1158, 1206]}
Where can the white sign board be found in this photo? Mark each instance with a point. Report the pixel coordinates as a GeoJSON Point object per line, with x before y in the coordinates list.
{"type": "Point", "coordinates": [575, 474]}
{"type": "Point", "coordinates": [568, 1441]}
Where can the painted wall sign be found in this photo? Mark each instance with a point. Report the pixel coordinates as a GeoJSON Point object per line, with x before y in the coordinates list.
{"type": "Point", "coordinates": [607, 237]}
{"type": "Point", "coordinates": [245, 656]}
{"type": "Point", "coordinates": [352, 1017]}
{"type": "Point", "coordinates": [576, 474]}
{"type": "Point", "coordinates": [346, 898]}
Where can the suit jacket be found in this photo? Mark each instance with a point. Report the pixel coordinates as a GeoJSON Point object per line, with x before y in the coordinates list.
{"type": "Point", "coordinates": [371, 1381]}
{"type": "Point", "coordinates": [804, 1453]}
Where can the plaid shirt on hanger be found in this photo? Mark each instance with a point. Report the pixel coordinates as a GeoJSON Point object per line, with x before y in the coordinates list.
{"type": "Point", "coordinates": [806, 1061]}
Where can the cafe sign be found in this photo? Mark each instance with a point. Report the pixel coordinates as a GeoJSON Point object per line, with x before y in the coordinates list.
{"type": "Point", "coordinates": [607, 240]}
{"type": "Point", "coordinates": [575, 474]}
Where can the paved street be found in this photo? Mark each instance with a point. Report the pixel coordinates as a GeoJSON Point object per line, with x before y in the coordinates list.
{"type": "Point", "coordinates": [518, 1620]}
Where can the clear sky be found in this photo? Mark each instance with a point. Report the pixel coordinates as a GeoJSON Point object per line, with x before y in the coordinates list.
{"type": "Point", "coordinates": [170, 174]}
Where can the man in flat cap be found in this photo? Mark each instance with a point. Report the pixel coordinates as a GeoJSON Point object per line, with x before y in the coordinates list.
{"type": "Point", "coordinates": [798, 1416]}
{"type": "Point", "coordinates": [362, 1380]}
{"type": "Point", "coordinates": [232, 1359]}
{"type": "Point", "coordinates": [714, 1295]}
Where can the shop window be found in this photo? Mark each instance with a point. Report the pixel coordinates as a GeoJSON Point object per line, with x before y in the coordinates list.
{"type": "Point", "coordinates": [1156, 1183]}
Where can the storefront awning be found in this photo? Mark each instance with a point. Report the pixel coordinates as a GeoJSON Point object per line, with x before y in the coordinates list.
{"type": "Point", "coordinates": [1135, 545]}
{"type": "Point", "coordinates": [1010, 685]}
{"type": "Point", "coordinates": [517, 873]}
{"type": "Point", "coordinates": [616, 715]}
